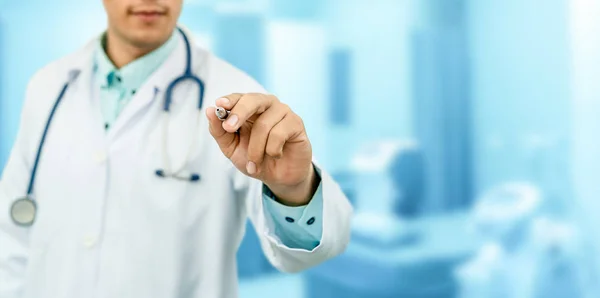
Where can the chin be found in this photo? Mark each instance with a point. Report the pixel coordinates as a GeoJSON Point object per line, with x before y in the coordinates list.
{"type": "Point", "coordinates": [154, 37]}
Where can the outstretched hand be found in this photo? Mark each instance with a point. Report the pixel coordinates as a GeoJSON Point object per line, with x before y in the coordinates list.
{"type": "Point", "coordinates": [266, 140]}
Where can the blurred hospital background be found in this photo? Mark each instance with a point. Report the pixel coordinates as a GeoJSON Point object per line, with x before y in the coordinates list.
{"type": "Point", "coordinates": [465, 132]}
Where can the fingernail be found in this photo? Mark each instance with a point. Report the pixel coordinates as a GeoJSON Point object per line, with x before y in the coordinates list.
{"type": "Point", "coordinates": [223, 101]}
{"type": "Point", "coordinates": [232, 121]}
{"type": "Point", "coordinates": [251, 168]}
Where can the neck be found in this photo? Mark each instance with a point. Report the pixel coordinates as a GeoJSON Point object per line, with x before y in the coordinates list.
{"type": "Point", "coordinates": [121, 52]}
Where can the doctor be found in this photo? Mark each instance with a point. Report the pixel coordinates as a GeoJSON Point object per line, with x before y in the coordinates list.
{"type": "Point", "coordinates": [122, 183]}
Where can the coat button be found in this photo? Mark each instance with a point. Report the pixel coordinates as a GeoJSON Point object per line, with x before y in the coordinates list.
{"type": "Point", "coordinates": [89, 241]}
{"type": "Point", "coordinates": [100, 157]}
{"type": "Point", "coordinates": [289, 219]}
{"type": "Point", "coordinates": [310, 221]}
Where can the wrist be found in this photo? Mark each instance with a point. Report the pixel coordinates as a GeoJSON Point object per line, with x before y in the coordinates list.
{"type": "Point", "coordinates": [297, 195]}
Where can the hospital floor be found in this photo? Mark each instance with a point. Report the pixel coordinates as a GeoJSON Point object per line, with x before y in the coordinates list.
{"type": "Point", "coordinates": [272, 286]}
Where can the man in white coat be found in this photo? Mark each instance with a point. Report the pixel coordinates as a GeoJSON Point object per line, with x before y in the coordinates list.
{"type": "Point", "coordinates": [108, 224]}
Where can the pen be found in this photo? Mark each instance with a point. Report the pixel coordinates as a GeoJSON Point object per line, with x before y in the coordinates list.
{"type": "Point", "coordinates": [222, 113]}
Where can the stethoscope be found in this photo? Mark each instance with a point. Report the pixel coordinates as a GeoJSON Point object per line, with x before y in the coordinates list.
{"type": "Point", "coordinates": [23, 211]}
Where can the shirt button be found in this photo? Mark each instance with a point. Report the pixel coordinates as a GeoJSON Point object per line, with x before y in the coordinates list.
{"type": "Point", "coordinates": [310, 221]}
{"type": "Point", "coordinates": [289, 219]}
{"type": "Point", "coordinates": [100, 157]}
{"type": "Point", "coordinates": [89, 241]}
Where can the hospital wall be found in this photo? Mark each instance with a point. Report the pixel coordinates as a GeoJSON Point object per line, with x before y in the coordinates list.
{"type": "Point", "coordinates": [441, 119]}
{"type": "Point", "coordinates": [585, 161]}
{"type": "Point", "coordinates": [520, 57]}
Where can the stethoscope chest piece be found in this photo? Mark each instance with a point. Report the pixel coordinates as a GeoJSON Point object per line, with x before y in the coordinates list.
{"type": "Point", "coordinates": [23, 212]}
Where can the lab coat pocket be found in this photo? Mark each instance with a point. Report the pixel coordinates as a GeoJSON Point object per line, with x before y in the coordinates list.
{"type": "Point", "coordinates": [165, 192]}
{"type": "Point", "coordinates": [49, 251]}
{"type": "Point", "coordinates": [171, 163]}
{"type": "Point", "coordinates": [161, 187]}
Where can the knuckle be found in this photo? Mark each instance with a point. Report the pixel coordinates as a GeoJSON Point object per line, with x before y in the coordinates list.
{"type": "Point", "coordinates": [236, 96]}
{"type": "Point", "coordinates": [242, 106]}
{"type": "Point", "coordinates": [255, 98]}
{"type": "Point", "coordinates": [285, 107]}
{"type": "Point", "coordinates": [272, 97]}
{"type": "Point", "coordinates": [299, 121]}
{"type": "Point", "coordinates": [233, 98]}
{"type": "Point", "coordinates": [262, 102]}
{"type": "Point", "coordinates": [294, 119]}
{"type": "Point", "coordinates": [241, 100]}
{"type": "Point", "coordinates": [263, 126]}
{"type": "Point", "coordinates": [272, 150]}
{"type": "Point", "coordinates": [277, 135]}
{"type": "Point", "coordinates": [255, 156]}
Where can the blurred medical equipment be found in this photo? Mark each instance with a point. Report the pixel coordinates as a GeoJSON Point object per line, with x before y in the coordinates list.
{"type": "Point", "coordinates": [372, 167]}
{"type": "Point", "coordinates": [501, 218]}
{"type": "Point", "coordinates": [559, 265]}
{"type": "Point", "coordinates": [523, 253]}
{"type": "Point", "coordinates": [420, 268]}
{"type": "Point", "coordinates": [23, 210]}
{"type": "Point", "coordinates": [394, 191]}
{"type": "Point", "coordinates": [401, 253]}
{"type": "Point", "coordinates": [407, 172]}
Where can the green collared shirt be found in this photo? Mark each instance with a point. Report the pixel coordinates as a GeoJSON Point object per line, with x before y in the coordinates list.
{"type": "Point", "coordinates": [118, 86]}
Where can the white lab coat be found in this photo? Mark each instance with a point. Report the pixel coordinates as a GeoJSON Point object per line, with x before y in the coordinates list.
{"type": "Point", "coordinates": [107, 226]}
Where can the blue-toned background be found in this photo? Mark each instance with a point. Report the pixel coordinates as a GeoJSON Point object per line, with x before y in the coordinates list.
{"type": "Point", "coordinates": [465, 132]}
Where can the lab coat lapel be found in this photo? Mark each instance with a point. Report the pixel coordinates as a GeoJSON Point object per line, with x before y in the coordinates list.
{"type": "Point", "coordinates": [81, 88]}
{"type": "Point", "coordinates": [151, 90]}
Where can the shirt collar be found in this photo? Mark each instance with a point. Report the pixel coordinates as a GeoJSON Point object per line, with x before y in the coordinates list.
{"type": "Point", "coordinates": [134, 74]}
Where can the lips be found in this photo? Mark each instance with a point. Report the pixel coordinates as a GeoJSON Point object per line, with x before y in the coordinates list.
{"type": "Point", "coordinates": [148, 15]}
{"type": "Point", "coordinates": [151, 11]}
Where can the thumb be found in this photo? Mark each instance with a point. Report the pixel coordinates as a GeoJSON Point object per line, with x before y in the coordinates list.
{"type": "Point", "coordinates": [226, 141]}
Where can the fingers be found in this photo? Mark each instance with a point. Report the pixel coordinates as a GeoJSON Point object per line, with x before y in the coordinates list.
{"type": "Point", "coordinates": [285, 130]}
{"type": "Point", "coordinates": [225, 140]}
{"type": "Point", "coordinates": [261, 129]}
{"type": "Point", "coordinates": [229, 101]}
{"type": "Point", "coordinates": [243, 107]}
{"type": "Point", "coordinates": [271, 124]}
